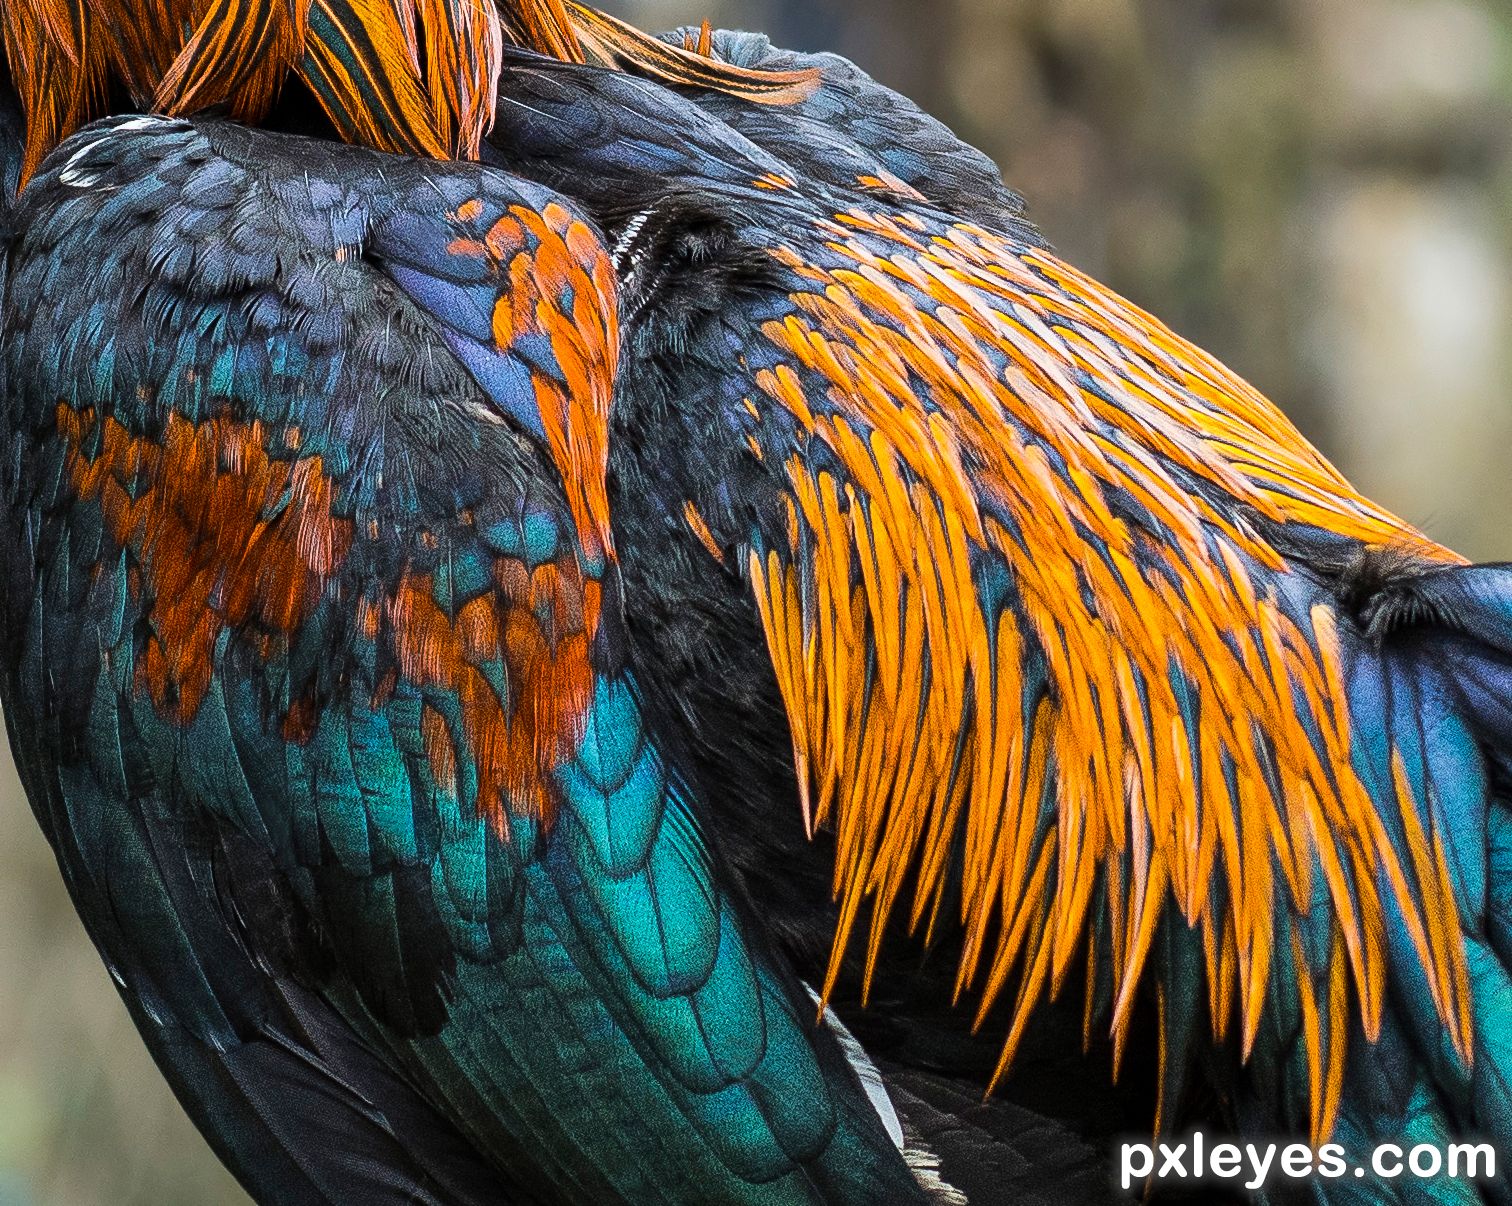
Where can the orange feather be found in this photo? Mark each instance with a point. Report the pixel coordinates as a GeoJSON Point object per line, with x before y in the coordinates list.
{"type": "Point", "coordinates": [1025, 390]}
{"type": "Point", "coordinates": [361, 58]}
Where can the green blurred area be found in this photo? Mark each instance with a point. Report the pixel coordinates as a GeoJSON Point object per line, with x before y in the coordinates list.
{"type": "Point", "coordinates": [1320, 193]}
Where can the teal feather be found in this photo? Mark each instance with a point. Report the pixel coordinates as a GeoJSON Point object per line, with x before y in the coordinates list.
{"type": "Point", "coordinates": [553, 997]}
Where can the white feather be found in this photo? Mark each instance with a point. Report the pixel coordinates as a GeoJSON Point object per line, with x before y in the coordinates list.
{"type": "Point", "coordinates": [922, 1162]}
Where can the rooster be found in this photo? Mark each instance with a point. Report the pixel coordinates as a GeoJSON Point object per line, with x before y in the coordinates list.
{"type": "Point", "coordinates": [597, 618]}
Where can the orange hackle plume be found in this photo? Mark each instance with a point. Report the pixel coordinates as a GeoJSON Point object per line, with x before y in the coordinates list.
{"type": "Point", "coordinates": [52, 47]}
{"type": "Point", "coordinates": [363, 60]}
{"type": "Point", "coordinates": [409, 76]}
{"type": "Point", "coordinates": [610, 42]}
{"type": "Point", "coordinates": [547, 27]}
{"type": "Point", "coordinates": [1148, 728]}
{"type": "Point", "coordinates": [181, 56]}
{"type": "Point", "coordinates": [237, 63]}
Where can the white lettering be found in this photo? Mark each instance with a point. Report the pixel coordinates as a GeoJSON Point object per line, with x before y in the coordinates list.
{"type": "Point", "coordinates": [1472, 1152]}
{"type": "Point", "coordinates": [1261, 1167]}
{"type": "Point", "coordinates": [1128, 1173]}
{"type": "Point", "coordinates": [1296, 1160]}
{"type": "Point", "coordinates": [1425, 1149]}
{"type": "Point", "coordinates": [1382, 1168]}
{"type": "Point", "coordinates": [1331, 1161]}
{"type": "Point", "coordinates": [1172, 1161]}
{"type": "Point", "coordinates": [1225, 1160]}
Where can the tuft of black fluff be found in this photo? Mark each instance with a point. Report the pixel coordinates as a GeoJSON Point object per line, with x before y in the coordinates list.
{"type": "Point", "coordinates": [687, 252]}
{"type": "Point", "coordinates": [1388, 589]}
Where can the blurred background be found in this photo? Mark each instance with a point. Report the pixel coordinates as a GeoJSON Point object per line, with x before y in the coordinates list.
{"type": "Point", "coordinates": [1318, 193]}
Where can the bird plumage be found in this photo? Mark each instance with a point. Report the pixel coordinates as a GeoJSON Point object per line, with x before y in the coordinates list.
{"type": "Point", "coordinates": [271, 448]}
{"type": "Point", "coordinates": [480, 636]}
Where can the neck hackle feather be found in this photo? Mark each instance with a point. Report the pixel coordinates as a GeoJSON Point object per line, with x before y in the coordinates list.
{"type": "Point", "coordinates": [410, 76]}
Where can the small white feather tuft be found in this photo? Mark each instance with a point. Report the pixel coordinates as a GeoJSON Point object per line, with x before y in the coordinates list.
{"type": "Point", "coordinates": [922, 1162]}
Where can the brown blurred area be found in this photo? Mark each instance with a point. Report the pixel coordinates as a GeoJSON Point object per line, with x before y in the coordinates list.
{"type": "Point", "coordinates": [1318, 193]}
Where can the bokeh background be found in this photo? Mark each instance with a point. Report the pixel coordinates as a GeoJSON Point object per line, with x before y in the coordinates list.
{"type": "Point", "coordinates": [1318, 192]}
